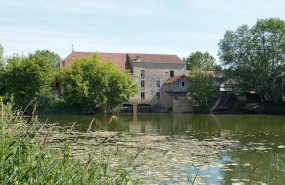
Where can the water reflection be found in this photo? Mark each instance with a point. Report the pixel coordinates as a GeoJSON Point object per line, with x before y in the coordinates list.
{"type": "Point", "coordinates": [258, 137]}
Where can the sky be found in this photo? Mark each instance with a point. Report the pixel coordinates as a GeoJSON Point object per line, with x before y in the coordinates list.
{"type": "Point", "coordinates": [126, 26]}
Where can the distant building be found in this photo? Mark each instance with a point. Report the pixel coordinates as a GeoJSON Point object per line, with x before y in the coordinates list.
{"type": "Point", "coordinates": [162, 79]}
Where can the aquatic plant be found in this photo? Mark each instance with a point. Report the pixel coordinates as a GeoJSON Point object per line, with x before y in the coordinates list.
{"type": "Point", "coordinates": [26, 156]}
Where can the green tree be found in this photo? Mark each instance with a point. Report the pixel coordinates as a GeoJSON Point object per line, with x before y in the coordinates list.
{"type": "Point", "coordinates": [200, 61]}
{"type": "Point", "coordinates": [53, 58]}
{"type": "Point", "coordinates": [26, 78]}
{"type": "Point", "coordinates": [2, 60]}
{"type": "Point", "coordinates": [254, 58]}
{"type": "Point", "coordinates": [203, 89]}
{"type": "Point", "coordinates": [91, 83]}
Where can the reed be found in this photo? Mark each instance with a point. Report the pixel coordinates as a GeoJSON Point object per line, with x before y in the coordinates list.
{"type": "Point", "coordinates": [27, 158]}
{"type": "Point", "coordinates": [112, 118]}
{"type": "Point", "coordinates": [90, 125]}
{"type": "Point", "coordinates": [250, 174]}
{"type": "Point", "coordinates": [189, 180]}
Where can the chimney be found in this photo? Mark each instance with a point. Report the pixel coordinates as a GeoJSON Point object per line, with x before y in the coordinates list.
{"type": "Point", "coordinates": [138, 58]}
{"type": "Point", "coordinates": [72, 48]}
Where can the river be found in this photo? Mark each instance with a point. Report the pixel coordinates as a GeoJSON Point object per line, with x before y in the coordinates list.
{"type": "Point", "coordinates": [255, 141]}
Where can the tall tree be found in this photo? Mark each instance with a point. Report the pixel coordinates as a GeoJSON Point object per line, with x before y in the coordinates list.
{"type": "Point", "coordinates": [26, 78]}
{"type": "Point", "coordinates": [91, 83]}
{"type": "Point", "coordinates": [200, 61]}
{"type": "Point", "coordinates": [52, 57]}
{"type": "Point", "coordinates": [203, 89]}
{"type": "Point", "coordinates": [255, 58]}
{"type": "Point", "coordinates": [2, 61]}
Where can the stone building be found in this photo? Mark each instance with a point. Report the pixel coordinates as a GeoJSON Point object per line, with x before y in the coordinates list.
{"type": "Point", "coordinates": [162, 80]}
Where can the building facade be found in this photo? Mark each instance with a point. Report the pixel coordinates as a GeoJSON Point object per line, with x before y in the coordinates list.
{"type": "Point", "coordinates": [162, 79]}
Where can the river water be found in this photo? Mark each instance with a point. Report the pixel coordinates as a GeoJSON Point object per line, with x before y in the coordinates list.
{"type": "Point", "coordinates": [255, 141]}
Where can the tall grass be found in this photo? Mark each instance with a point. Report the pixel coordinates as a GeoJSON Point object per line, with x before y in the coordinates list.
{"type": "Point", "coordinates": [26, 159]}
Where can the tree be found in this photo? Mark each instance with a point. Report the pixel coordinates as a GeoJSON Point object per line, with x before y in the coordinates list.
{"type": "Point", "coordinates": [200, 61]}
{"type": "Point", "coordinates": [52, 57]}
{"type": "Point", "coordinates": [254, 58]}
{"type": "Point", "coordinates": [91, 83]}
{"type": "Point", "coordinates": [203, 89]}
{"type": "Point", "coordinates": [26, 78]}
{"type": "Point", "coordinates": [2, 61]}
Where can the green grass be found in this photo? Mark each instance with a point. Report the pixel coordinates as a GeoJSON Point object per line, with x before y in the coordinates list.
{"type": "Point", "coordinates": [26, 159]}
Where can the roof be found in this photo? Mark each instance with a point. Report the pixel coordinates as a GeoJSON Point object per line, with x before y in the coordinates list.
{"type": "Point", "coordinates": [155, 58]}
{"type": "Point", "coordinates": [120, 59]}
{"type": "Point", "coordinates": [175, 78]}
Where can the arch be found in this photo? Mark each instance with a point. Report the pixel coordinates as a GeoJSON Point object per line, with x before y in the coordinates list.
{"type": "Point", "coordinates": [127, 108]}
{"type": "Point", "coordinates": [143, 108]}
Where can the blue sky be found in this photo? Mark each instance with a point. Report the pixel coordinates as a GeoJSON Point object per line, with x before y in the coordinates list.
{"type": "Point", "coordinates": [126, 26]}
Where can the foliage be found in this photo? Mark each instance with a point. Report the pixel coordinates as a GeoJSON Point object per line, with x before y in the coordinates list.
{"type": "Point", "coordinates": [254, 58]}
{"type": "Point", "coordinates": [52, 104]}
{"type": "Point", "coordinates": [26, 78]}
{"type": "Point", "coordinates": [26, 159]}
{"type": "Point", "coordinates": [52, 57]}
{"type": "Point", "coordinates": [200, 61]}
{"type": "Point", "coordinates": [203, 89]}
{"type": "Point", "coordinates": [91, 83]}
{"type": "Point", "coordinates": [2, 61]}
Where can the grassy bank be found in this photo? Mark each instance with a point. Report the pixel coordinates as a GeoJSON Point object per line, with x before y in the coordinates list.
{"type": "Point", "coordinates": [27, 158]}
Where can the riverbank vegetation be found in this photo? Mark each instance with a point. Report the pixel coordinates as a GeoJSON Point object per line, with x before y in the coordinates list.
{"type": "Point", "coordinates": [28, 157]}
{"type": "Point", "coordinates": [26, 79]}
{"type": "Point", "coordinates": [254, 61]}
{"type": "Point", "coordinates": [90, 85]}
{"type": "Point", "coordinates": [203, 90]}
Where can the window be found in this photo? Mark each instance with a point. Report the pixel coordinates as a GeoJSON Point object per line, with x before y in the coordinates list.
{"type": "Point", "coordinates": [142, 83]}
{"type": "Point", "coordinates": [182, 84]}
{"type": "Point", "coordinates": [158, 95]}
{"type": "Point", "coordinates": [158, 83]}
{"type": "Point", "coordinates": [142, 73]}
{"type": "Point", "coordinates": [171, 73]}
{"type": "Point", "coordinates": [142, 95]}
{"type": "Point", "coordinates": [63, 63]}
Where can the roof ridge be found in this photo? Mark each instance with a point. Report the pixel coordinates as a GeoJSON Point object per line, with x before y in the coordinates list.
{"type": "Point", "coordinates": [123, 53]}
{"type": "Point", "coordinates": [153, 54]}
{"type": "Point", "coordinates": [96, 52]}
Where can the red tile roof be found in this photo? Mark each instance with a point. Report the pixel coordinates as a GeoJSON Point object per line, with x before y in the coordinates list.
{"type": "Point", "coordinates": [120, 59]}
{"type": "Point", "coordinates": [156, 58]}
{"type": "Point", "coordinates": [175, 78]}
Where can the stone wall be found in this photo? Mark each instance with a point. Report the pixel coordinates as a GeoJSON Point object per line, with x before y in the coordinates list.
{"type": "Point", "coordinates": [155, 75]}
{"type": "Point", "coordinates": [182, 106]}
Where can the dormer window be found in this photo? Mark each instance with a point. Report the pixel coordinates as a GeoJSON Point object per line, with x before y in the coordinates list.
{"type": "Point", "coordinates": [138, 58]}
